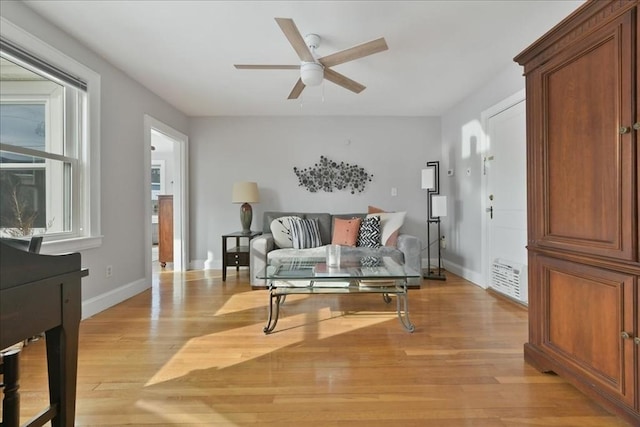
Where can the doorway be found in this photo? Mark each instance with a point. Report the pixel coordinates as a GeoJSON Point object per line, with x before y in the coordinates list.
{"type": "Point", "coordinates": [167, 178]}
{"type": "Point", "coordinates": [504, 197]}
{"type": "Point", "coordinates": [162, 185]}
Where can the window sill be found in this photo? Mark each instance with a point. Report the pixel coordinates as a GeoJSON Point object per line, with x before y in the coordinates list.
{"type": "Point", "coordinates": [70, 245]}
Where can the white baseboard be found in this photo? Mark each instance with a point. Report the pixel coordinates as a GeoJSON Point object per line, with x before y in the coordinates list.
{"type": "Point", "coordinates": [205, 264]}
{"type": "Point", "coordinates": [470, 275]}
{"type": "Point", "coordinates": [101, 302]}
{"type": "Point", "coordinates": [197, 264]}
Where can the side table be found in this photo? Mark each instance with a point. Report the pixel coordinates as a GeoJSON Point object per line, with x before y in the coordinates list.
{"type": "Point", "coordinates": [237, 255]}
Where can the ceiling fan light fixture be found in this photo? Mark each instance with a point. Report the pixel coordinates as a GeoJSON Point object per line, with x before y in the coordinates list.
{"type": "Point", "coordinates": [312, 67]}
{"type": "Point", "coordinates": [311, 73]}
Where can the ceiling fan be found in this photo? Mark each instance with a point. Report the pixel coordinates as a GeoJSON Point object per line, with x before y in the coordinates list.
{"type": "Point", "coordinates": [312, 69]}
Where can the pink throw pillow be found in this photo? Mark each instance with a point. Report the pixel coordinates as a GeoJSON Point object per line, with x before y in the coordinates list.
{"type": "Point", "coordinates": [345, 231]}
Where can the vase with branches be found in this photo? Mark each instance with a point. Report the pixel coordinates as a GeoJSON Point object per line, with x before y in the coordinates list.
{"type": "Point", "coordinates": [19, 217]}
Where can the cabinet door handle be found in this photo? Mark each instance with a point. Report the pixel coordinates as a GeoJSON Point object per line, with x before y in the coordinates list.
{"type": "Point", "coordinates": [636, 125]}
{"type": "Point", "coordinates": [636, 340]}
{"type": "Point", "coordinates": [624, 129]}
{"type": "Point", "coordinates": [625, 335]}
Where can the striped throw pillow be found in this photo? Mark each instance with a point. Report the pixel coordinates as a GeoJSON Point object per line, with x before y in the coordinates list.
{"type": "Point", "coordinates": [305, 233]}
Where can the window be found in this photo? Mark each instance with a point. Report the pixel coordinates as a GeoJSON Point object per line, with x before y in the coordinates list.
{"type": "Point", "coordinates": [48, 168]}
{"type": "Point", "coordinates": [37, 164]}
{"type": "Point", "coordinates": [157, 178]}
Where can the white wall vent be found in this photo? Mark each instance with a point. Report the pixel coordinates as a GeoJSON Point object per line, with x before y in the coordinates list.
{"type": "Point", "coordinates": [509, 278]}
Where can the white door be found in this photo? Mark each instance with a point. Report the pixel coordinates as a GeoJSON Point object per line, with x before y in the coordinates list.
{"type": "Point", "coordinates": [505, 204]}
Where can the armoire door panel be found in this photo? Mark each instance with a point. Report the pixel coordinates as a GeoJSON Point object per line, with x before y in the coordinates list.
{"type": "Point", "coordinates": [587, 165]}
{"type": "Point", "coordinates": [587, 310]}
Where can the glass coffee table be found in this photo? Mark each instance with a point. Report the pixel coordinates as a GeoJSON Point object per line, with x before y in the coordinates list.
{"type": "Point", "coordinates": [356, 275]}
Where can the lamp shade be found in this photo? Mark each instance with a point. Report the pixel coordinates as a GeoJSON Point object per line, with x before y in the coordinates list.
{"type": "Point", "coordinates": [428, 179]}
{"type": "Point", "coordinates": [438, 206]}
{"type": "Point", "coordinates": [245, 192]}
{"type": "Point", "coordinates": [311, 73]}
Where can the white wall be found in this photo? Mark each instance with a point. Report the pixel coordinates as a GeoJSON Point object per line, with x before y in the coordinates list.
{"type": "Point", "coordinates": [461, 138]}
{"type": "Point", "coordinates": [224, 150]}
{"type": "Point", "coordinates": [123, 192]}
{"type": "Point", "coordinates": [265, 150]}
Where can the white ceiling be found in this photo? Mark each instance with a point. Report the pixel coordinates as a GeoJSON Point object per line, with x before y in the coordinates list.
{"type": "Point", "coordinates": [184, 51]}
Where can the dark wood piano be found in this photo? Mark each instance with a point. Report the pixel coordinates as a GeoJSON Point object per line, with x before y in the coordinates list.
{"type": "Point", "coordinates": [42, 293]}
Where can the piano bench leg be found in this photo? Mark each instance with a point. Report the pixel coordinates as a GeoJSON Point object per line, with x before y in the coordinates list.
{"type": "Point", "coordinates": [11, 384]}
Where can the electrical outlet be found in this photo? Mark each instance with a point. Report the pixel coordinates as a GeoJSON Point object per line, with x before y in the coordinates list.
{"type": "Point", "coordinates": [443, 243]}
{"type": "Point", "coordinates": [394, 191]}
{"type": "Point", "coordinates": [108, 272]}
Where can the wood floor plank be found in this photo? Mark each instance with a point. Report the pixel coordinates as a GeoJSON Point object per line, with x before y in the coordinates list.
{"type": "Point", "coordinates": [190, 352]}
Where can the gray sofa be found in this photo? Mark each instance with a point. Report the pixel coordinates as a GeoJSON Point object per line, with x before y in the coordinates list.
{"type": "Point", "coordinates": [263, 248]}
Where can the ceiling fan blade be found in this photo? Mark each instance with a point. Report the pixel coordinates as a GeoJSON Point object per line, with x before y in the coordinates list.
{"type": "Point", "coordinates": [266, 67]}
{"type": "Point", "coordinates": [297, 90]}
{"type": "Point", "coordinates": [290, 30]}
{"type": "Point", "coordinates": [343, 81]}
{"type": "Point", "coordinates": [355, 52]}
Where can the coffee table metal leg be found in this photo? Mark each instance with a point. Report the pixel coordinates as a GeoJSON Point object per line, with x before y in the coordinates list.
{"type": "Point", "coordinates": [403, 312]}
{"type": "Point", "coordinates": [272, 320]}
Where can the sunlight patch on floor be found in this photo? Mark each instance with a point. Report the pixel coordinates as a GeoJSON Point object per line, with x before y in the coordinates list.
{"type": "Point", "coordinates": [196, 353]}
{"type": "Point", "coordinates": [247, 301]}
{"type": "Point", "coordinates": [188, 412]}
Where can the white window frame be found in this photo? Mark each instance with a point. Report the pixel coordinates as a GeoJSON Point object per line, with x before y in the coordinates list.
{"type": "Point", "coordinates": [158, 164]}
{"type": "Point", "coordinates": [39, 94]}
{"type": "Point", "coordinates": [86, 206]}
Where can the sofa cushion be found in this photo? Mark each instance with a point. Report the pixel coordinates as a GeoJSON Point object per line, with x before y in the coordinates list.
{"type": "Point", "coordinates": [345, 231]}
{"type": "Point", "coordinates": [369, 235]}
{"type": "Point", "coordinates": [319, 252]}
{"type": "Point", "coordinates": [347, 253]}
{"type": "Point", "coordinates": [305, 233]}
{"type": "Point", "coordinates": [281, 230]}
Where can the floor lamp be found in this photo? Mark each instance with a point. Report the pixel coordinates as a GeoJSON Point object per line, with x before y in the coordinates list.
{"type": "Point", "coordinates": [436, 208]}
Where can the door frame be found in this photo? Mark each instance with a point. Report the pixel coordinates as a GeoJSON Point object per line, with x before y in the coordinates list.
{"type": "Point", "coordinates": [180, 194]}
{"type": "Point", "coordinates": [496, 109]}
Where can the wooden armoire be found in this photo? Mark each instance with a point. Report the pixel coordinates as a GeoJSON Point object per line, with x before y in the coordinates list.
{"type": "Point", "coordinates": [583, 185]}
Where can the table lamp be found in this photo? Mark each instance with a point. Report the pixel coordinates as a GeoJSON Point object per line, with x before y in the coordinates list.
{"type": "Point", "coordinates": [245, 192]}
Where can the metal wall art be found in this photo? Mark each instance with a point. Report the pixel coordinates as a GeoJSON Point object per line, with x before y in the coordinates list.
{"type": "Point", "coordinates": [328, 175]}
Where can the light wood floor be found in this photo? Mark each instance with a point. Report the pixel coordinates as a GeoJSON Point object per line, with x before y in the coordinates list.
{"type": "Point", "coordinates": [191, 352]}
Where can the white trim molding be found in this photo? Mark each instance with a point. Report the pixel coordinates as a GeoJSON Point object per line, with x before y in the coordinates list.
{"type": "Point", "coordinates": [95, 305]}
{"type": "Point", "coordinates": [90, 234]}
